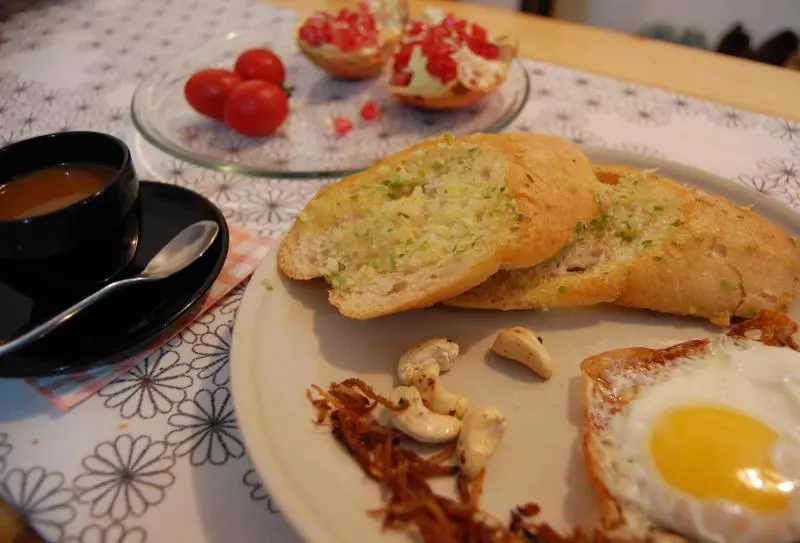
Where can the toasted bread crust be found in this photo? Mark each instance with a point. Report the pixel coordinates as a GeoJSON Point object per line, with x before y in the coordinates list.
{"type": "Point", "coordinates": [552, 185]}
{"type": "Point", "coordinates": [724, 261]}
{"type": "Point", "coordinates": [720, 261]}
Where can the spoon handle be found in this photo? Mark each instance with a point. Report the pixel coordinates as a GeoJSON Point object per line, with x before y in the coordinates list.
{"type": "Point", "coordinates": [54, 322]}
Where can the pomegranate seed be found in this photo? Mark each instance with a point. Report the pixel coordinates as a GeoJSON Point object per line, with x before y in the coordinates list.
{"type": "Point", "coordinates": [344, 40]}
{"type": "Point", "coordinates": [449, 21]}
{"type": "Point", "coordinates": [445, 68]}
{"type": "Point", "coordinates": [347, 30]}
{"type": "Point", "coordinates": [342, 126]}
{"type": "Point", "coordinates": [400, 79]}
{"type": "Point", "coordinates": [416, 27]}
{"type": "Point", "coordinates": [478, 32]}
{"type": "Point", "coordinates": [443, 50]}
{"type": "Point", "coordinates": [437, 33]}
{"type": "Point", "coordinates": [368, 23]}
{"type": "Point", "coordinates": [490, 51]}
{"type": "Point", "coordinates": [449, 70]}
{"type": "Point", "coordinates": [370, 111]}
{"type": "Point", "coordinates": [402, 57]}
{"type": "Point", "coordinates": [484, 49]}
{"type": "Point", "coordinates": [437, 48]}
{"type": "Point", "coordinates": [311, 35]}
{"type": "Point", "coordinates": [327, 33]}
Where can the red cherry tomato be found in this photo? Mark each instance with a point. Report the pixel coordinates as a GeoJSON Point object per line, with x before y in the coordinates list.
{"type": "Point", "coordinates": [260, 64]}
{"type": "Point", "coordinates": [208, 90]}
{"type": "Point", "coordinates": [256, 108]}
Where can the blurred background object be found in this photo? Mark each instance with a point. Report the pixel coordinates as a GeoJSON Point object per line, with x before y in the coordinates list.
{"type": "Point", "coordinates": [13, 529]}
{"type": "Point", "coordinates": [765, 31]}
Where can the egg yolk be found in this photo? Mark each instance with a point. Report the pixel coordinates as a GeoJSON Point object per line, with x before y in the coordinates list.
{"type": "Point", "coordinates": [712, 452]}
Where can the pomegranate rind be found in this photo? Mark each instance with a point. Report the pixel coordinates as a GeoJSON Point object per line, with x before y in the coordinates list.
{"type": "Point", "coordinates": [354, 65]}
{"type": "Point", "coordinates": [390, 18]}
{"type": "Point", "coordinates": [465, 89]}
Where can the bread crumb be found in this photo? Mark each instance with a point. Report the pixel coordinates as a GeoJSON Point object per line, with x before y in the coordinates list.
{"type": "Point", "coordinates": [121, 426]}
{"type": "Point", "coordinates": [267, 284]}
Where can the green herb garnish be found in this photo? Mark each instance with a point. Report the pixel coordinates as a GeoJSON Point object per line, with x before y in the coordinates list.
{"type": "Point", "coordinates": [730, 284]}
{"type": "Point", "coordinates": [600, 223]}
{"type": "Point", "coordinates": [393, 184]}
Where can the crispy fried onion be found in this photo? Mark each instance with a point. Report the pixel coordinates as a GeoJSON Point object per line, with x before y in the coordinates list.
{"type": "Point", "coordinates": [769, 327]}
{"type": "Point", "coordinates": [347, 408]}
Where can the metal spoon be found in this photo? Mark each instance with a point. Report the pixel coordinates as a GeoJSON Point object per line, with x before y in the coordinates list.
{"type": "Point", "coordinates": [182, 250]}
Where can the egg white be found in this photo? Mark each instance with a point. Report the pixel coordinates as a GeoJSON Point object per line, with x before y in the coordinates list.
{"type": "Point", "coordinates": [760, 381]}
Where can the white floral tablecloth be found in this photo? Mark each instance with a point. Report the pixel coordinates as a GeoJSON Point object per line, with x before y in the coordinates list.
{"type": "Point", "coordinates": [157, 455]}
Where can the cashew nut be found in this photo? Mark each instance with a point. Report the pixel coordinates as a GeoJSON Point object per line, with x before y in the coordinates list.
{"type": "Point", "coordinates": [436, 349]}
{"type": "Point", "coordinates": [522, 345]}
{"type": "Point", "coordinates": [436, 397]}
{"type": "Point", "coordinates": [481, 432]}
{"type": "Point", "coordinates": [421, 366]}
{"type": "Point", "coordinates": [419, 423]}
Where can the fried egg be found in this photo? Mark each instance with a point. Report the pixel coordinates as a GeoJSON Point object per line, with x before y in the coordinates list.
{"type": "Point", "coordinates": [709, 446]}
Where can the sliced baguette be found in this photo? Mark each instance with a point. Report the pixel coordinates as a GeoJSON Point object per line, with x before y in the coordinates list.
{"type": "Point", "coordinates": [439, 218]}
{"type": "Point", "coordinates": [689, 253]}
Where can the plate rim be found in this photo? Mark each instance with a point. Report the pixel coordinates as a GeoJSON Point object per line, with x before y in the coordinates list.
{"type": "Point", "coordinates": [174, 322]}
{"type": "Point", "coordinates": [252, 171]}
{"type": "Point", "coordinates": [245, 391]}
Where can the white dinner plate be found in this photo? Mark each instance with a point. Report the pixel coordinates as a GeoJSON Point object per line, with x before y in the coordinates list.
{"type": "Point", "coordinates": [290, 337]}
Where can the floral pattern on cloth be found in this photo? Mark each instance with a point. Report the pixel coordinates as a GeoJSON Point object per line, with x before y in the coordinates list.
{"type": "Point", "coordinates": [156, 453]}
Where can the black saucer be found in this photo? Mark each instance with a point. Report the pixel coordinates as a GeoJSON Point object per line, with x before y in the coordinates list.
{"type": "Point", "coordinates": [130, 320]}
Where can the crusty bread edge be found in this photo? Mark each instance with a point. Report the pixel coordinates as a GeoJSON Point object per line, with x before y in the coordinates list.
{"type": "Point", "coordinates": [516, 254]}
{"type": "Point", "coordinates": [634, 293]}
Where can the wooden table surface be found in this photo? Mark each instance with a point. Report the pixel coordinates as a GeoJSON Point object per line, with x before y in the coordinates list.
{"type": "Point", "coordinates": [741, 83]}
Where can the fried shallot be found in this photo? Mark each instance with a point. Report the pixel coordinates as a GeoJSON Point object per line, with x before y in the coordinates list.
{"type": "Point", "coordinates": [347, 407]}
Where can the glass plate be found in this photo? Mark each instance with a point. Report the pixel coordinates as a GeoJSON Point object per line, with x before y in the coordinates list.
{"type": "Point", "coordinates": [305, 146]}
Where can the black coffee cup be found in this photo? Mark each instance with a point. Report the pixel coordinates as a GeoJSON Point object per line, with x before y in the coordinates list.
{"type": "Point", "coordinates": [75, 249]}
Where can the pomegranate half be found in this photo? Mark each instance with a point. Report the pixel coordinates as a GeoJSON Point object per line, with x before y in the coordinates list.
{"type": "Point", "coordinates": [448, 63]}
{"type": "Point", "coordinates": [353, 44]}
